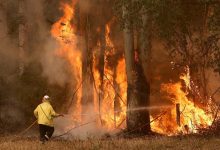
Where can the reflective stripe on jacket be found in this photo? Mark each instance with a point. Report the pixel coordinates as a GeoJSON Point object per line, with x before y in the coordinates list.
{"type": "Point", "coordinates": [45, 114]}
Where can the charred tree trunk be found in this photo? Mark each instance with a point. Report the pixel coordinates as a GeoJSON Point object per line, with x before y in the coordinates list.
{"type": "Point", "coordinates": [178, 114]}
{"type": "Point", "coordinates": [144, 53]}
{"type": "Point", "coordinates": [102, 62]}
{"type": "Point", "coordinates": [203, 82]}
{"type": "Point", "coordinates": [142, 91]}
{"type": "Point", "coordinates": [145, 44]}
{"type": "Point", "coordinates": [202, 67]}
{"type": "Point", "coordinates": [137, 121]}
{"type": "Point", "coordinates": [87, 78]}
{"type": "Point", "coordinates": [117, 107]}
{"type": "Point", "coordinates": [77, 11]}
{"type": "Point", "coordinates": [21, 35]}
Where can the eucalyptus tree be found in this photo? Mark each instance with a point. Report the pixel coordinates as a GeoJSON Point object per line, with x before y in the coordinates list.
{"type": "Point", "coordinates": [138, 90]}
{"type": "Point", "coordinates": [185, 27]}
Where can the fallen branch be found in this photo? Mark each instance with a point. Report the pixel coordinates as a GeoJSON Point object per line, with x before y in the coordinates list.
{"type": "Point", "coordinates": [77, 89]}
{"type": "Point", "coordinates": [121, 123]}
{"type": "Point", "coordinates": [74, 93]}
{"type": "Point", "coordinates": [98, 93]}
{"type": "Point", "coordinates": [216, 115]}
{"type": "Point", "coordinates": [216, 91]}
{"type": "Point", "coordinates": [183, 110]}
{"type": "Point", "coordinates": [29, 127]}
{"type": "Point", "coordinates": [115, 90]}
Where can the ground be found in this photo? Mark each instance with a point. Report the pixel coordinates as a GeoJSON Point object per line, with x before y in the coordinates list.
{"type": "Point", "coordinates": [147, 143]}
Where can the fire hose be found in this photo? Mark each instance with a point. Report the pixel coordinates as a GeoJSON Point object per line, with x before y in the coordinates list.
{"type": "Point", "coordinates": [68, 131]}
{"type": "Point", "coordinates": [81, 125]}
{"type": "Point", "coordinates": [23, 132]}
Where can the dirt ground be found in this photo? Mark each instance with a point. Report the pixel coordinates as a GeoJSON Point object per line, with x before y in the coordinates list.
{"type": "Point", "coordinates": [145, 143]}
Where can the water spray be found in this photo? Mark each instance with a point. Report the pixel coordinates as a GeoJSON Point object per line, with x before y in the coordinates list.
{"type": "Point", "coordinates": [128, 110]}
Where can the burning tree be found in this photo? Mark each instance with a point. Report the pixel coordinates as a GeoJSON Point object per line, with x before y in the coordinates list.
{"type": "Point", "coordinates": [138, 86]}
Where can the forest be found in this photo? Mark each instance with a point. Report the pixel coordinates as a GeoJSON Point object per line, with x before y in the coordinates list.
{"type": "Point", "coordinates": [125, 68]}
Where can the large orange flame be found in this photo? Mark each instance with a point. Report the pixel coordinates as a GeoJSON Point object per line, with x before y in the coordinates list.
{"type": "Point", "coordinates": [64, 33]}
{"type": "Point", "coordinates": [110, 117]}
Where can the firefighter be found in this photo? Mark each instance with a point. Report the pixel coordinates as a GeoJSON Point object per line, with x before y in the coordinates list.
{"type": "Point", "coordinates": [45, 115]}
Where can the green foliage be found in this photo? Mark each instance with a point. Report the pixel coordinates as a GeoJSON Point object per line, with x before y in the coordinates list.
{"type": "Point", "coordinates": [167, 16]}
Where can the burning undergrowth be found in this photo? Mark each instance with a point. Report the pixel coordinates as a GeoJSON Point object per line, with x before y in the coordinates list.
{"type": "Point", "coordinates": [187, 114]}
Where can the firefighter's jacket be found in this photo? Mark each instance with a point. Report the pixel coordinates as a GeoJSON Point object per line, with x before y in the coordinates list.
{"type": "Point", "coordinates": [45, 114]}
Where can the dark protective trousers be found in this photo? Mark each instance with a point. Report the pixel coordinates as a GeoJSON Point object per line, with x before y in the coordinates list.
{"type": "Point", "coordinates": [45, 131]}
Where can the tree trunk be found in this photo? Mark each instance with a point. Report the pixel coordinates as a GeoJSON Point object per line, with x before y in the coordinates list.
{"type": "Point", "coordinates": [202, 68]}
{"type": "Point", "coordinates": [144, 53]}
{"type": "Point", "coordinates": [178, 114]}
{"type": "Point", "coordinates": [145, 45]}
{"type": "Point", "coordinates": [137, 120]}
{"type": "Point", "coordinates": [21, 36]}
{"type": "Point", "coordinates": [117, 106]}
{"type": "Point", "coordinates": [87, 78]}
{"type": "Point", "coordinates": [102, 63]}
{"type": "Point", "coordinates": [78, 20]}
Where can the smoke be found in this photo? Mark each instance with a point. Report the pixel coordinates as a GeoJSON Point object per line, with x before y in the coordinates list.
{"type": "Point", "coordinates": [213, 84]}
{"type": "Point", "coordinates": [54, 68]}
{"type": "Point", "coordinates": [161, 72]}
{"type": "Point", "coordinates": [85, 6]}
{"type": "Point", "coordinates": [11, 114]}
{"type": "Point", "coordinates": [8, 49]}
{"type": "Point", "coordinates": [90, 127]}
{"type": "Point", "coordinates": [40, 48]}
{"type": "Point", "coordinates": [8, 71]}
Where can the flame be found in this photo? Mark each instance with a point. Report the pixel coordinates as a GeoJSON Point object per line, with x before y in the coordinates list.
{"type": "Point", "coordinates": [193, 116]}
{"type": "Point", "coordinates": [64, 33]}
{"type": "Point", "coordinates": [110, 117]}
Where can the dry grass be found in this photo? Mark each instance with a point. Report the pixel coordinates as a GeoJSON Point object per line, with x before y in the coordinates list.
{"type": "Point", "coordinates": [153, 143]}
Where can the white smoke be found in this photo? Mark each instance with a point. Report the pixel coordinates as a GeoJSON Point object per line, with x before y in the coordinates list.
{"type": "Point", "coordinates": [90, 127]}
{"type": "Point", "coordinates": [54, 67]}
